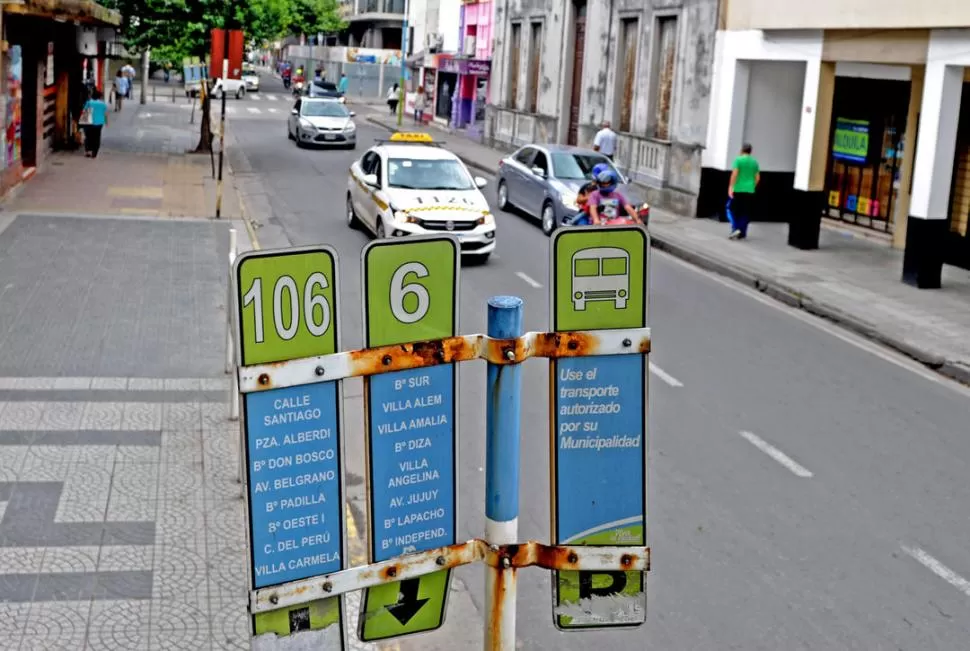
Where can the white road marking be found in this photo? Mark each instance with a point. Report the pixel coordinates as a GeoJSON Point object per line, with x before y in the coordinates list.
{"type": "Point", "coordinates": [271, 98]}
{"type": "Point", "coordinates": [272, 110]}
{"type": "Point", "coordinates": [939, 569]}
{"type": "Point", "coordinates": [776, 454]}
{"type": "Point", "coordinates": [665, 376]}
{"type": "Point", "coordinates": [528, 280]}
{"type": "Point", "coordinates": [252, 109]}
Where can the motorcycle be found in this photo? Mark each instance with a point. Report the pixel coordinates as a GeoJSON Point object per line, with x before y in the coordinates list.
{"type": "Point", "coordinates": [298, 89]}
{"type": "Point", "coordinates": [643, 213]}
{"type": "Point", "coordinates": [286, 83]}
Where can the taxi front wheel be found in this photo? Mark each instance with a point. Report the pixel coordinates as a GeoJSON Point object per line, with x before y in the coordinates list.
{"type": "Point", "coordinates": [352, 220]}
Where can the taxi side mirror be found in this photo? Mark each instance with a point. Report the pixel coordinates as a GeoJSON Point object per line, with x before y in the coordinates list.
{"type": "Point", "coordinates": [371, 180]}
{"type": "Point", "coordinates": [480, 182]}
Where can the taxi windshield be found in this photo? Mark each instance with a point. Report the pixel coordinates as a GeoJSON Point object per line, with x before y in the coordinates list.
{"type": "Point", "coordinates": [325, 110]}
{"type": "Point", "coordinates": [418, 174]}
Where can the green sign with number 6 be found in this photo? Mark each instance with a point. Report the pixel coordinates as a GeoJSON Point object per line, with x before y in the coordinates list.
{"type": "Point", "coordinates": [286, 304]}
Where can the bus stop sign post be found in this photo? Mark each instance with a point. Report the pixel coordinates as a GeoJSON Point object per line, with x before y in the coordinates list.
{"type": "Point", "coordinates": [286, 308]}
{"type": "Point", "coordinates": [410, 294]}
{"type": "Point", "coordinates": [598, 422]}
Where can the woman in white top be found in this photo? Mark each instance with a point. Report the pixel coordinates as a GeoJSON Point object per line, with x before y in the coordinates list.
{"type": "Point", "coordinates": [393, 97]}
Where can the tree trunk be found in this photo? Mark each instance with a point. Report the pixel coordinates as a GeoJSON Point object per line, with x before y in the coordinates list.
{"type": "Point", "coordinates": [205, 129]}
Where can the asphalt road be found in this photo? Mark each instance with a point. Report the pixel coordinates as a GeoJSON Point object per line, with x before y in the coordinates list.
{"type": "Point", "coordinates": [807, 490]}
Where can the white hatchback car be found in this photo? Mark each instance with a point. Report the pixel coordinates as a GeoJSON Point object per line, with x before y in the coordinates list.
{"type": "Point", "coordinates": [408, 186]}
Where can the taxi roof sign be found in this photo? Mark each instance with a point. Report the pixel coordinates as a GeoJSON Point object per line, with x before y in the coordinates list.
{"type": "Point", "coordinates": [405, 136]}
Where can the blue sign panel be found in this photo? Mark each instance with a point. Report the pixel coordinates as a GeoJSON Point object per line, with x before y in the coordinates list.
{"type": "Point", "coordinates": [295, 497]}
{"type": "Point", "coordinates": [600, 478]}
{"type": "Point", "coordinates": [412, 454]}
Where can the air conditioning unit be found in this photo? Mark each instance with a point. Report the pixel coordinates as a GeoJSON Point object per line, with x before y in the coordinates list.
{"type": "Point", "coordinates": [433, 42]}
{"type": "Point", "coordinates": [468, 48]}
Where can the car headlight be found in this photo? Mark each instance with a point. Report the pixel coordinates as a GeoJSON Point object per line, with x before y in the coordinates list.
{"type": "Point", "coordinates": [350, 128]}
{"type": "Point", "coordinates": [569, 200]}
{"type": "Point", "coordinates": [306, 124]}
{"type": "Point", "coordinates": [400, 215]}
{"type": "Point", "coordinates": [486, 219]}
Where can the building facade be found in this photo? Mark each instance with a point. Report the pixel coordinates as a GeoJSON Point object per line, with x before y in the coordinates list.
{"type": "Point", "coordinates": [858, 112]}
{"type": "Point", "coordinates": [562, 68]}
{"type": "Point", "coordinates": [52, 54]}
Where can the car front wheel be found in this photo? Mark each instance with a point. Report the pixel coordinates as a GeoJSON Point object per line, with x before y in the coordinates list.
{"type": "Point", "coordinates": [240, 93]}
{"type": "Point", "coordinates": [503, 196]}
{"type": "Point", "coordinates": [352, 220]}
{"type": "Point", "coordinates": [548, 218]}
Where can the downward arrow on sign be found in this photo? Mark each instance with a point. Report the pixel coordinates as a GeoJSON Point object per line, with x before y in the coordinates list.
{"type": "Point", "coordinates": [408, 604]}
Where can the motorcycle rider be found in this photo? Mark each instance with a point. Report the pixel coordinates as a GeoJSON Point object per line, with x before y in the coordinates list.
{"type": "Point", "coordinates": [607, 203]}
{"type": "Point", "coordinates": [582, 218]}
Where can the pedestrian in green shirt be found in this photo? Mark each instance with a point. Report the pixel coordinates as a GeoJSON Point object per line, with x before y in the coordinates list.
{"type": "Point", "coordinates": [745, 176]}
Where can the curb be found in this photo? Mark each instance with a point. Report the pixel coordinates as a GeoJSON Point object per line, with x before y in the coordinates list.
{"type": "Point", "coordinates": [470, 163]}
{"type": "Point", "coordinates": [795, 298]}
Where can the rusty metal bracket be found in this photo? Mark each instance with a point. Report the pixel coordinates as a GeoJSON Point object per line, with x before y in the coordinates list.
{"type": "Point", "coordinates": [410, 566]}
{"type": "Point", "coordinates": [420, 354]}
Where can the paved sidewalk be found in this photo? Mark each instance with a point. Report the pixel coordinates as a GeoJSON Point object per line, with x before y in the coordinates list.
{"type": "Point", "coordinates": [143, 169]}
{"type": "Point", "coordinates": [851, 280]}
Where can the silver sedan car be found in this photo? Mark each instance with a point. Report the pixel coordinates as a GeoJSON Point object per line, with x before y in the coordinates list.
{"type": "Point", "coordinates": [543, 180]}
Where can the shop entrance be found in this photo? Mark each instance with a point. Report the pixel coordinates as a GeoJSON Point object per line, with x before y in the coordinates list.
{"type": "Point", "coordinates": [866, 150]}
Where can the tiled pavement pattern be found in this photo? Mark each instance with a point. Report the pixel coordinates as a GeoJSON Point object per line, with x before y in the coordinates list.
{"type": "Point", "coordinates": [122, 525]}
{"type": "Point", "coordinates": [121, 520]}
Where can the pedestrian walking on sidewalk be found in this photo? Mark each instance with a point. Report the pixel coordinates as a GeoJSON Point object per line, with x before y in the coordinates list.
{"type": "Point", "coordinates": [393, 96]}
{"type": "Point", "coordinates": [120, 89]}
{"type": "Point", "coordinates": [745, 176]}
{"type": "Point", "coordinates": [129, 73]}
{"type": "Point", "coordinates": [420, 104]}
{"type": "Point", "coordinates": [94, 117]}
{"type": "Point", "coordinates": [605, 140]}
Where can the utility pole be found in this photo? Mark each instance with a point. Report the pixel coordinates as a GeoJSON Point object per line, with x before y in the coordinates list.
{"type": "Point", "coordinates": [404, 69]}
{"type": "Point", "coordinates": [222, 117]}
{"type": "Point", "coordinates": [144, 75]}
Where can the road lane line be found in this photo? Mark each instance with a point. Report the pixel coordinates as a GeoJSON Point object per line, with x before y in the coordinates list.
{"type": "Point", "coordinates": [529, 280]}
{"type": "Point", "coordinates": [939, 569]}
{"type": "Point", "coordinates": [665, 376]}
{"type": "Point", "coordinates": [776, 454]}
{"type": "Point", "coordinates": [272, 110]}
{"type": "Point", "coordinates": [252, 109]}
{"type": "Point", "coordinates": [271, 98]}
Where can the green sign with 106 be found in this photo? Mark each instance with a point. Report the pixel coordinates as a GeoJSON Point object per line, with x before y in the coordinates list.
{"type": "Point", "coordinates": [287, 309]}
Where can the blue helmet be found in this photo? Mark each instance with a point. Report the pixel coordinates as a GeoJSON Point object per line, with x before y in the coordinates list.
{"type": "Point", "coordinates": [606, 181]}
{"type": "Point", "coordinates": [598, 169]}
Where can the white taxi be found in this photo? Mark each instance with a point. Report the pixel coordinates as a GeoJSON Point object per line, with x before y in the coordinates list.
{"type": "Point", "coordinates": [409, 186]}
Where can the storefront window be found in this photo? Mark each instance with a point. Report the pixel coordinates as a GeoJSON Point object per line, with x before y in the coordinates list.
{"type": "Point", "coordinates": [447, 81]}
{"type": "Point", "coordinates": [866, 151]}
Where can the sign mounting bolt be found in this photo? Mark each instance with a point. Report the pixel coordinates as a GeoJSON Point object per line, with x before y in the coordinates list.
{"type": "Point", "coordinates": [572, 558]}
{"type": "Point", "coordinates": [440, 560]}
{"type": "Point", "coordinates": [264, 379]}
{"type": "Point", "coordinates": [328, 587]}
{"type": "Point", "coordinates": [509, 354]}
{"type": "Point", "coordinates": [319, 371]}
{"type": "Point", "coordinates": [386, 360]}
{"type": "Point", "coordinates": [627, 343]}
{"type": "Point", "coordinates": [273, 599]}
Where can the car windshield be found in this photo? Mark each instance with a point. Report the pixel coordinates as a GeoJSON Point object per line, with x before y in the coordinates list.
{"type": "Point", "coordinates": [418, 174]}
{"type": "Point", "coordinates": [325, 110]}
{"type": "Point", "coordinates": [249, 72]}
{"type": "Point", "coordinates": [576, 166]}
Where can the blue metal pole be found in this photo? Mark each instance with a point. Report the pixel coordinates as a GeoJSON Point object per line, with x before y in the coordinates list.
{"type": "Point", "coordinates": [502, 464]}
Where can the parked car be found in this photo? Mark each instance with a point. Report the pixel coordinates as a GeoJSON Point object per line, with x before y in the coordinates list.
{"type": "Point", "coordinates": [231, 87]}
{"type": "Point", "coordinates": [542, 181]}
{"type": "Point", "coordinates": [321, 122]}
